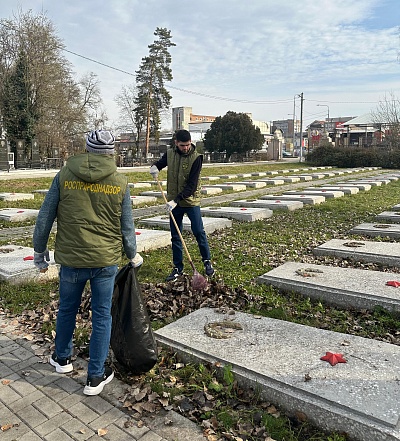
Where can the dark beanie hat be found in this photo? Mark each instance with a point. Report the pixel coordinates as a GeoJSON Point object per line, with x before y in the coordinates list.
{"type": "Point", "coordinates": [100, 141]}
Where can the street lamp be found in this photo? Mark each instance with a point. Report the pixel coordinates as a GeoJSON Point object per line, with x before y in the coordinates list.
{"type": "Point", "coordinates": [325, 105]}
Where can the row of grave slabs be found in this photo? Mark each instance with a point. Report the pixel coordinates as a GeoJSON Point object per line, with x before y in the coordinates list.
{"type": "Point", "coordinates": [339, 382]}
{"type": "Point", "coordinates": [215, 218]}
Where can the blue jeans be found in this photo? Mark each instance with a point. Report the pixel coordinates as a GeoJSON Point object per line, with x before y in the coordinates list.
{"type": "Point", "coordinates": [72, 283]}
{"type": "Point", "coordinates": [196, 223]}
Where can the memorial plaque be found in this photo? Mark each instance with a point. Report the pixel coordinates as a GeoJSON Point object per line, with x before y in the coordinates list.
{"type": "Point", "coordinates": [35, 161]}
{"type": "Point", "coordinates": [20, 159]}
{"type": "Point", "coordinates": [3, 155]}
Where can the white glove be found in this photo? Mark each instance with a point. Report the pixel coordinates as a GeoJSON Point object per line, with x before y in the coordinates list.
{"type": "Point", "coordinates": [170, 206]}
{"type": "Point", "coordinates": [39, 259]}
{"type": "Point", "coordinates": [154, 171]}
{"type": "Point", "coordinates": [137, 260]}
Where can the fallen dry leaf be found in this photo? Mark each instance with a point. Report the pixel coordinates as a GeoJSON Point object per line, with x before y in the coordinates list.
{"type": "Point", "coordinates": [102, 432]}
{"type": "Point", "coordinates": [6, 427]}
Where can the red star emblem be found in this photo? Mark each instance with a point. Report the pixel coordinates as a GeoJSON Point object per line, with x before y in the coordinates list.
{"type": "Point", "coordinates": [333, 358]}
{"type": "Point", "coordinates": [394, 283]}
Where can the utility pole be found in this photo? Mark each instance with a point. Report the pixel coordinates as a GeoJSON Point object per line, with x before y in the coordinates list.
{"type": "Point", "coordinates": [294, 122]}
{"type": "Point", "coordinates": [301, 126]}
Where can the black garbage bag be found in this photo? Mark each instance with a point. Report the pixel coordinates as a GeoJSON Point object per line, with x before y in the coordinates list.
{"type": "Point", "coordinates": [132, 338]}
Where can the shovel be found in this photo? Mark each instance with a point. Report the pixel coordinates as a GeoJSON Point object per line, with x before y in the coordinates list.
{"type": "Point", "coordinates": [198, 281]}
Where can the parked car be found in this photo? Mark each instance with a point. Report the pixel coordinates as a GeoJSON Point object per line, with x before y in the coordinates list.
{"type": "Point", "coordinates": [286, 155]}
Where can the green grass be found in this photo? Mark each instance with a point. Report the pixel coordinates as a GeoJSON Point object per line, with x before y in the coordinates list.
{"type": "Point", "coordinates": [240, 254]}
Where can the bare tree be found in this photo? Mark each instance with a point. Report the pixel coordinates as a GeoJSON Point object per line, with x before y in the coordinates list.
{"type": "Point", "coordinates": [53, 98]}
{"type": "Point", "coordinates": [387, 117]}
{"type": "Point", "coordinates": [129, 116]}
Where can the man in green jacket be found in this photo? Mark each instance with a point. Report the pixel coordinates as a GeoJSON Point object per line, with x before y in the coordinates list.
{"type": "Point", "coordinates": [183, 193]}
{"type": "Point", "coordinates": [91, 202]}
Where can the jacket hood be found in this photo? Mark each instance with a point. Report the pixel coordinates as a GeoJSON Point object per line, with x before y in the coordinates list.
{"type": "Point", "coordinates": [91, 167]}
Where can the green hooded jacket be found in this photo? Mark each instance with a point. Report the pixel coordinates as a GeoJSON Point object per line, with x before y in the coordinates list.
{"type": "Point", "coordinates": [89, 212]}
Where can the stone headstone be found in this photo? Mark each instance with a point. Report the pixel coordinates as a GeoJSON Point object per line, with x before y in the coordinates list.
{"type": "Point", "coordinates": [344, 287]}
{"type": "Point", "coordinates": [210, 224]}
{"type": "Point", "coordinates": [304, 198]}
{"type": "Point", "coordinates": [16, 265]}
{"type": "Point", "coordinates": [16, 196]}
{"type": "Point", "coordinates": [18, 214]}
{"type": "Point", "coordinates": [270, 204]}
{"type": "Point", "coordinates": [245, 214]}
{"type": "Point", "coordinates": [385, 253]}
{"type": "Point", "coordinates": [282, 361]}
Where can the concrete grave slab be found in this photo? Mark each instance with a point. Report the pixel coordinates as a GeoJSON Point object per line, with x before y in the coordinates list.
{"type": "Point", "coordinates": [381, 180]}
{"type": "Point", "coordinates": [211, 224]}
{"type": "Point", "coordinates": [396, 207]}
{"type": "Point", "coordinates": [270, 204]}
{"type": "Point", "coordinates": [244, 214]}
{"type": "Point", "coordinates": [391, 178]}
{"type": "Point", "coordinates": [18, 214]}
{"type": "Point", "coordinates": [244, 175]}
{"type": "Point", "coordinates": [272, 181]}
{"type": "Point", "coordinates": [360, 186]}
{"type": "Point", "coordinates": [305, 199]}
{"type": "Point", "coordinates": [210, 178]}
{"type": "Point", "coordinates": [326, 193]}
{"type": "Point", "coordinates": [338, 172]}
{"type": "Point", "coordinates": [317, 175]}
{"type": "Point", "coordinates": [139, 185]}
{"type": "Point", "coordinates": [232, 187]}
{"type": "Point", "coordinates": [16, 196]}
{"type": "Point", "coordinates": [259, 174]}
{"type": "Point", "coordinates": [344, 287]}
{"type": "Point", "coordinates": [41, 191]}
{"type": "Point", "coordinates": [210, 190]}
{"type": "Point", "coordinates": [151, 239]}
{"type": "Point", "coordinates": [282, 360]}
{"type": "Point", "coordinates": [137, 200]}
{"type": "Point", "coordinates": [303, 177]}
{"type": "Point", "coordinates": [155, 183]}
{"type": "Point", "coordinates": [151, 193]}
{"type": "Point", "coordinates": [389, 216]}
{"type": "Point", "coordinates": [345, 190]}
{"type": "Point", "coordinates": [16, 265]}
{"type": "Point", "coordinates": [369, 181]}
{"type": "Point", "coordinates": [290, 179]}
{"type": "Point", "coordinates": [378, 229]}
{"type": "Point", "coordinates": [272, 172]}
{"type": "Point", "coordinates": [385, 253]}
{"type": "Point", "coordinates": [252, 184]}
{"type": "Point", "coordinates": [294, 170]}
{"type": "Point", "coordinates": [228, 176]}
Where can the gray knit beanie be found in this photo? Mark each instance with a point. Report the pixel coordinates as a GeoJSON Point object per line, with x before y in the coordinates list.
{"type": "Point", "coordinates": [100, 141]}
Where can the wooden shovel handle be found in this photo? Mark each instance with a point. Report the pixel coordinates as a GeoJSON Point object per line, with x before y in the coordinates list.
{"type": "Point", "coordinates": [176, 226]}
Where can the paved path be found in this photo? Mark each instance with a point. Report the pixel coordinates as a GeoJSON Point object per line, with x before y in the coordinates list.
{"type": "Point", "coordinates": [36, 403]}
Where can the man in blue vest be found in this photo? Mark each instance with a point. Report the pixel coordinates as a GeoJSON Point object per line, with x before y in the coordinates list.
{"type": "Point", "coordinates": [183, 194]}
{"type": "Point", "coordinates": [91, 202]}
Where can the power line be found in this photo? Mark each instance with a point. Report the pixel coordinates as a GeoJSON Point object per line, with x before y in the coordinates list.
{"type": "Point", "coordinates": [215, 97]}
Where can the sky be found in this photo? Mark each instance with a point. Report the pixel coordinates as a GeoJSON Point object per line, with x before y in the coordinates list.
{"type": "Point", "coordinates": [252, 56]}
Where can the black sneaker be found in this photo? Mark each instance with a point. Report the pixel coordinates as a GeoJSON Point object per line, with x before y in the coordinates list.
{"type": "Point", "coordinates": [174, 275]}
{"type": "Point", "coordinates": [208, 268]}
{"type": "Point", "coordinates": [62, 365]}
{"type": "Point", "coordinates": [96, 384]}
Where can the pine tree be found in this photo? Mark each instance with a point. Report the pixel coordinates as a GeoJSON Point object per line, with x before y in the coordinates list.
{"type": "Point", "coordinates": [152, 96]}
